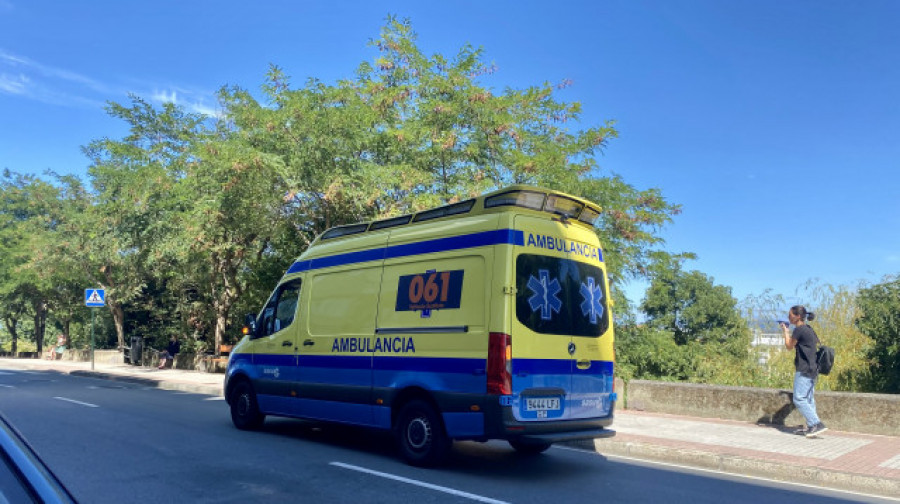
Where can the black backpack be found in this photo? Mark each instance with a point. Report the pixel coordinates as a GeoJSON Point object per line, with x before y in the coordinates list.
{"type": "Point", "coordinates": [824, 357]}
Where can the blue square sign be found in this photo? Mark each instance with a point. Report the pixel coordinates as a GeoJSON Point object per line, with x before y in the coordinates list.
{"type": "Point", "coordinates": [94, 298]}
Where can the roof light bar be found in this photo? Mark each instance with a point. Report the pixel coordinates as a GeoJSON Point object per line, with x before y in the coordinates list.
{"type": "Point", "coordinates": [561, 205]}
{"type": "Point", "coordinates": [589, 216]}
{"type": "Point", "coordinates": [527, 199]}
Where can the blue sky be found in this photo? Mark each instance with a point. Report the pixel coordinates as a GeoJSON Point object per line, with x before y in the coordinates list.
{"type": "Point", "coordinates": [776, 124]}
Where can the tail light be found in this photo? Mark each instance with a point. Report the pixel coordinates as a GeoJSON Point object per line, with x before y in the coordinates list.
{"type": "Point", "coordinates": [499, 364]}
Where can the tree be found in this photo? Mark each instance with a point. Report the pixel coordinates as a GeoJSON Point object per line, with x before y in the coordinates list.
{"type": "Point", "coordinates": [58, 262]}
{"type": "Point", "coordinates": [125, 237]}
{"type": "Point", "coordinates": [414, 131]}
{"type": "Point", "coordinates": [692, 307]}
{"type": "Point", "coordinates": [29, 213]}
{"type": "Point", "coordinates": [231, 212]}
{"type": "Point", "coordinates": [880, 320]}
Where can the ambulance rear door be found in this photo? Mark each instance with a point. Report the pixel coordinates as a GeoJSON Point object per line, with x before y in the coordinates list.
{"type": "Point", "coordinates": [559, 370]}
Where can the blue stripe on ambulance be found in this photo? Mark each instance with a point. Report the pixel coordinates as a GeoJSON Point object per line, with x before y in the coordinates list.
{"type": "Point", "coordinates": [456, 375]}
{"type": "Point", "coordinates": [495, 237]}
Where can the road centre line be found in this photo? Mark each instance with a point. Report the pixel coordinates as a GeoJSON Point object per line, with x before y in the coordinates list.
{"type": "Point", "coordinates": [77, 402]}
{"type": "Point", "coordinates": [401, 479]}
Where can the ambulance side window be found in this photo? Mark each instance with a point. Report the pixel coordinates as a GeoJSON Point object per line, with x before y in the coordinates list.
{"type": "Point", "coordinates": [281, 308]}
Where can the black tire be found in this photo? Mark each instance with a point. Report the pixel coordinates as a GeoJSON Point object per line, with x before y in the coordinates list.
{"type": "Point", "coordinates": [421, 435]}
{"type": "Point", "coordinates": [529, 447]}
{"type": "Point", "coordinates": [244, 409]}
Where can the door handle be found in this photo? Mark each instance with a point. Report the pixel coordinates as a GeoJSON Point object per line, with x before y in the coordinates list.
{"type": "Point", "coordinates": [309, 342]}
{"type": "Point", "coordinates": [286, 343]}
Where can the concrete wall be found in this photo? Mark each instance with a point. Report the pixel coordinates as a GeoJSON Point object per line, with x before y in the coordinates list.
{"type": "Point", "coordinates": [150, 358]}
{"type": "Point", "coordinates": [854, 412]}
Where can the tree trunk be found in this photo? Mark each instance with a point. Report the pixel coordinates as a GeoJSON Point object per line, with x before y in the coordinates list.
{"type": "Point", "coordinates": [118, 314]}
{"type": "Point", "coordinates": [40, 319]}
{"type": "Point", "coordinates": [11, 324]}
{"type": "Point", "coordinates": [221, 319]}
{"type": "Point", "coordinates": [222, 308]}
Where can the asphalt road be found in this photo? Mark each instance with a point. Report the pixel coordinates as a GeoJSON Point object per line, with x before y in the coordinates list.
{"type": "Point", "coordinates": [118, 442]}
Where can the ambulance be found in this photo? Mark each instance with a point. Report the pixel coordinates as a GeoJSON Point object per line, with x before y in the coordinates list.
{"type": "Point", "coordinates": [483, 319]}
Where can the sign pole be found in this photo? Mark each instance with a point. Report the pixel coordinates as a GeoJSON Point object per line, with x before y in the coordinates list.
{"type": "Point", "coordinates": [94, 298]}
{"type": "Point", "coordinates": [93, 311]}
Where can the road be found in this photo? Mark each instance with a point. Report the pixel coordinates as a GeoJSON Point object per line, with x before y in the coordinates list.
{"type": "Point", "coordinates": [119, 442]}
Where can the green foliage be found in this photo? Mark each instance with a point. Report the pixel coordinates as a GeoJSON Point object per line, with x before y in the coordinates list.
{"type": "Point", "coordinates": [651, 352]}
{"type": "Point", "coordinates": [645, 353]}
{"type": "Point", "coordinates": [879, 319]}
{"type": "Point", "coordinates": [835, 308]}
{"type": "Point", "coordinates": [187, 221]}
{"type": "Point", "coordinates": [691, 306]}
{"type": "Point", "coordinates": [648, 353]}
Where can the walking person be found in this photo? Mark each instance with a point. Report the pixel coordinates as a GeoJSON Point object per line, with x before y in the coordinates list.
{"type": "Point", "coordinates": [804, 340]}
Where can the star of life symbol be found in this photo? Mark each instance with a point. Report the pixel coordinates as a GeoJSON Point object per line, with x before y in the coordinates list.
{"type": "Point", "coordinates": [545, 294]}
{"type": "Point", "coordinates": [592, 305]}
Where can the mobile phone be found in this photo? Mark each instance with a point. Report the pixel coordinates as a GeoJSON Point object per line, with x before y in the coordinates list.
{"type": "Point", "coordinates": [783, 322]}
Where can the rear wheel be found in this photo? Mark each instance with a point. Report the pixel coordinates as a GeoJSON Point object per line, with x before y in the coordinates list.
{"type": "Point", "coordinates": [244, 409]}
{"type": "Point", "coordinates": [421, 435]}
{"type": "Point", "coordinates": [529, 447]}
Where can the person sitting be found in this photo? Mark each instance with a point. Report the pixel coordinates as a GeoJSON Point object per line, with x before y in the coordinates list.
{"type": "Point", "coordinates": [60, 346]}
{"type": "Point", "coordinates": [54, 352]}
{"type": "Point", "coordinates": [168, 355]}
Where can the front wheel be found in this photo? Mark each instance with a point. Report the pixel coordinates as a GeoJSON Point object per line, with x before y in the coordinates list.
{"type": "Point", "coordinates": [421, 435]}
{"type": "Point", "coordinates": [245, 413]}
{"type": "Point", "coordinates": [529, 447]}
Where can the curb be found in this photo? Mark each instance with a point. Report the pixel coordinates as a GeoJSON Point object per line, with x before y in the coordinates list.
{"type": "Point", "coordinates": [197, 388]}
{"type": "Point", "coordinates": [744, 466]}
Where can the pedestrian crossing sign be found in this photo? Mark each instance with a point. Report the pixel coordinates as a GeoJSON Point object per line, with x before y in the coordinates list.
{"type": "Point", "coordinates": [94, 298]}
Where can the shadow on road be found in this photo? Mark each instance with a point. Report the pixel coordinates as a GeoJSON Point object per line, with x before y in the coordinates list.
{"type": "Point", "coordinates": [494, 459]}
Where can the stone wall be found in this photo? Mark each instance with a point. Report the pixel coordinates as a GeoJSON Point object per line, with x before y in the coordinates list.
{"type": "Point", "coordinates": [847, 411]}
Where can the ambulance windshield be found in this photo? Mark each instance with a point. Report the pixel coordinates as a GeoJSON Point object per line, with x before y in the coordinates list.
{"type": "Point", "coordinates": [560, 296]}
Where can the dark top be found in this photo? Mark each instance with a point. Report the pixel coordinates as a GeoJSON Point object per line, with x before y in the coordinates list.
{"type": "Point", "coordinates": [805, 358]}
{"type": "Point", "coordinates": [175, 347]}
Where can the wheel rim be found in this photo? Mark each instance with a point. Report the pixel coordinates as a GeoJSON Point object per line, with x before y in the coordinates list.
{"type": "Point", "coordinates": [243, 404]}
{"type": "Point", "coordinates": [418, 433]}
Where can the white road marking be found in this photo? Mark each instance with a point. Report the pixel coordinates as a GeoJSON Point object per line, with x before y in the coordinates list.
{"type": "Point", "coordinates": [5, 373]}
{"type": "Point", "coordinates": [6, 386]}
{"type": "Point", "coordinates": [893, 463]}
{"type": "Point", "coordinates": [214, 399]}
{"type": "Point", "coordinates": [401, 479]}
{"type": "Point", "coordinates": [77, 402]}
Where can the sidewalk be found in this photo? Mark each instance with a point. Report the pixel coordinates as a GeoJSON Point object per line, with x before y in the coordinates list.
{"type": "Point", "coordinates": [844, 460]}
{"type": "Point", "coordinates": [863, 463]}
{"type": "Point", "coordinates": [167, 379]}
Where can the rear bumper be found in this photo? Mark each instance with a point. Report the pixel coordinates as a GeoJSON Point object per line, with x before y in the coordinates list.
{"type": "Point", "coordinates": [500, 423]}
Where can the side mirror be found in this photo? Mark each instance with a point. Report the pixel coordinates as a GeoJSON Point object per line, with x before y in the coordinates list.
{"type": "Point", "coordinates": [249, 325]}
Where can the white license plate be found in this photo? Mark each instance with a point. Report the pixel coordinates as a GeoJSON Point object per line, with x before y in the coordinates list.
{"type": "Point", "coordinates": [541, 403]}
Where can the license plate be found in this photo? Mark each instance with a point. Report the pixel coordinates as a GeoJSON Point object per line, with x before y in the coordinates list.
{"type": "Point", "coordinates": [541, 403]}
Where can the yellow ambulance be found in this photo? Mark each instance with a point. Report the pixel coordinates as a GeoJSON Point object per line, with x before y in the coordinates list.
{"type": "Point", "coordinates": [483, 319]}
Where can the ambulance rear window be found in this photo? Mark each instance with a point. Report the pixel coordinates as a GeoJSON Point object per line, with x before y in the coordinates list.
{"type": "Point", "coordinates": [560, 296]}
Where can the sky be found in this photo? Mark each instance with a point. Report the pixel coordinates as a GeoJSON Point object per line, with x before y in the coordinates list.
{"type": "Point", "coordinates": [774, 124]}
